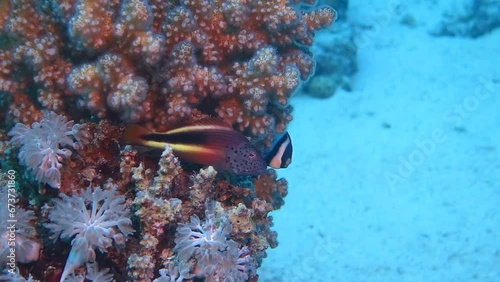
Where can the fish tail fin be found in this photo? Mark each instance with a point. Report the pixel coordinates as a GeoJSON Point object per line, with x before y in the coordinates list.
{"type": "Point", "coordinates": [134, 133]}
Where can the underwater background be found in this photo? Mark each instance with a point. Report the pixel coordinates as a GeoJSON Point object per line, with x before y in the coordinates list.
{"type": "Point", "coordinates": [391, 107]}
{"type": "Point", "coordinates": [398, 178]}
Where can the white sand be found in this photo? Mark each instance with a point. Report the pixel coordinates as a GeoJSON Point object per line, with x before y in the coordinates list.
{"type": "Point", "coordinates": [438, 217]}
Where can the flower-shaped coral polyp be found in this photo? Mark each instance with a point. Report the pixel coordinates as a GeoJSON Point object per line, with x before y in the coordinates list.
{"type": "Point", "coordinates": [42, 145]}
{"type": "Point", "coordinates": [217, 258]}
{"type": "Point", "coordinates": [99, 216]}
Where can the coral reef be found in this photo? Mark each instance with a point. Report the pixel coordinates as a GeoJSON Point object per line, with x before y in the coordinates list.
{"type": "Point", "coordinates": [341, 6]}
{"type": "Point", "coordinates": [155, 209]}
{"type": "Point", "coordinates": [335, 50]}
{"type": "Point", "coordinates": [73, 74]}
{"type": "Point", "coordinates": [471, 18]}
{"type": "Point", "coordinates": [155, 62]}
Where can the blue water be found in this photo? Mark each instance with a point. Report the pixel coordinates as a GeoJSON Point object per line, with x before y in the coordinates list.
{"type": "Point", "coordinates": [397, 180]}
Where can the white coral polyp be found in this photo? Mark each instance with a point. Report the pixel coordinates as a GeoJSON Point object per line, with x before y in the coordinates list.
{"type": "Point", "coordinates": [95, 219]}
{"type": "Point", "coordinates": [217, 257]}
{"type": "Point", "coordinates": [41, 144]}
{"type": "Point", "coordinates": [98, 216]}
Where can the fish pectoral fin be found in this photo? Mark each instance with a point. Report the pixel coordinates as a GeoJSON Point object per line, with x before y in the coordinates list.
{"type": "Point", "coordinates": [199, 154]}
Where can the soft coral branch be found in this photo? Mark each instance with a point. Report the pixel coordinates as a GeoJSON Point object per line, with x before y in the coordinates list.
{"type": "Point", "coordinates": [217, 257]}
{"type": "Point", "coordinates": [96, 219]}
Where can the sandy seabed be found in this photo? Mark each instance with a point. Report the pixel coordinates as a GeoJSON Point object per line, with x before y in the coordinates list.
{"type": "Point", "coordinates": [399, 179]}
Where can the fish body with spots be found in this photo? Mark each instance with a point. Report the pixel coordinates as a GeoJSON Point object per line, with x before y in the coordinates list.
{"type": "Point", "coordinates": [212, 142]}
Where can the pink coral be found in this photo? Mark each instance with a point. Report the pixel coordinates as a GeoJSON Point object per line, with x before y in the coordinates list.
{"type": "Point", "coordinates": [154, 62]}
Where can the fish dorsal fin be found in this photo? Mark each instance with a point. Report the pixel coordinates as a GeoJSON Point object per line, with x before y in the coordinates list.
{"type": "Point", "coordinates": [212, 132]}
{"type": "Point", "coordinates": [209, 121]}
{"type": "Point", "coordinates": [204, 123]}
